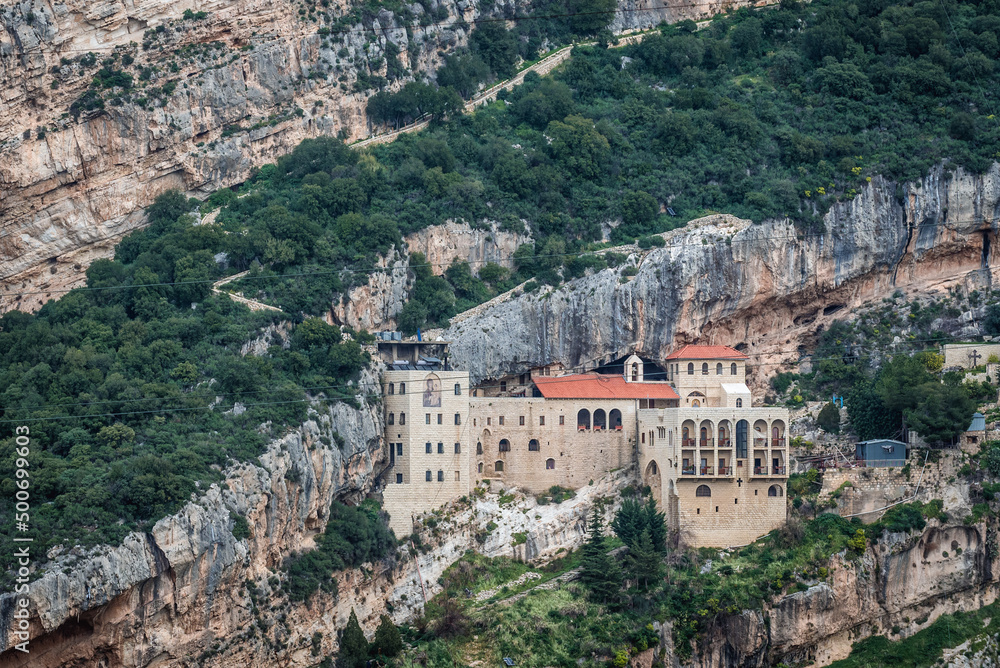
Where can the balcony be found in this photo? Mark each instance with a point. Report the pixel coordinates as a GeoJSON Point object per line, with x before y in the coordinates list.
{"type": "Point", "coordinates": [706, 443]}
{"type": "Point", "coordinates": [725, 470]}
{"type": "Point", "coordinates": [689, 443]}
{"type": "Point", "coordinates": [725, 442]}
{"type": "Point", "coordinates": [760, 442]}
{"type": "Point", "coordinates": [769, 470]}
{"type": "Point", "coordinates": [707, 470]}
{"type": "Point", "coordinates": [687, 470]}
{"type": "Point", "coordinates": [778, 442]}
{"type": "Point", "coordinates": [778, 470]}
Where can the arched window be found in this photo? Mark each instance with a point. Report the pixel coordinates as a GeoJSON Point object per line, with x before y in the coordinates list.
{"type": "Point", "coordinates": [480, 467]}
{"type": "Point", "coordinates": [402, 418]}
{"type": "Point", "coordinates": [690, 368]}
{"type": "Point", "coordinates": [718, 369]}
{"type": "Point", "coordinates": [739, 403]}
{"type": "Point", "coordinates": [498, 466]}
{"type": "Point", "coordinates": [392, 388]}
{"type": "Point", "coordinates": [600, 419]}
{"type": "Point", "coordinates": [402, 388]}
{"type": "Point", "coordinates": [550, 464]}
{"type": "Point", "coordinates": [704, 368]}
{"type": "Point", "coordinates": [533, 445]}
{"type": "Point", "coordinates": [635, 371]}
{"type": "Point", "coordinates": [479, 448]}
{"type": "Point", "coordinates": [695, 404]}
{"type": "Point", "coordinates": [703, 490]}
{"type": "Point", "coordinates": [583, 419]}
{"type": "Point", "coordinates": [615, 419]}
{"type": "Point", "coordinates": [392, 418]}
{"type": "Point", "coordinates": [732, 369]}
{"type": "Point", "coordinates": [773, 490]}
{"type": "Point", "coordinates": [458, 389]}
{"type": "Point", "coordinates": [504, 445]}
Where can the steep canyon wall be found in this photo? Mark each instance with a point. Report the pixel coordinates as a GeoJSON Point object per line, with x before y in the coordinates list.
{"type": "Point", "coordinates": [227, 92]}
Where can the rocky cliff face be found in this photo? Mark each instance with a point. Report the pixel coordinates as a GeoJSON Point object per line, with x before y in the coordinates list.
{"type": "Point", "coordinates": [765, 287]}
{"type": "Point", "coordinates": [228, 87]}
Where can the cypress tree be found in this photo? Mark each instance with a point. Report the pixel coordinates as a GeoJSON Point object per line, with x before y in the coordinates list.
{"type": "Point", "coordinates": [656, 523]}
{"type": "Point", "coordinates": [353, 652]}
{"type": "Point", "coordinates": [387, 641]}
{"type": "Point", "coordinates": [643, 564]}
{"type": "Point", "coordinates": [600, 572]}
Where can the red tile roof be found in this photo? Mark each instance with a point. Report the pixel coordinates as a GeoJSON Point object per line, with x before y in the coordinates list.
{"type": "Point", "coordinates": [600, 386]}
{"type": "Point", "coordinates": [706, 353]}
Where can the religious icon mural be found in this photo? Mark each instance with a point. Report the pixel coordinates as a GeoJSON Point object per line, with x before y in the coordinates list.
{"type": "Point", "coordinates": [432, 392]}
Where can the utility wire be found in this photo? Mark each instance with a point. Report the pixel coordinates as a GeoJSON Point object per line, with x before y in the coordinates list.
{"type": "Point", "coordinates": [724, 237]}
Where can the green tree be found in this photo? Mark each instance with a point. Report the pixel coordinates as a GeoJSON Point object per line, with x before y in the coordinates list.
{"type": "Point", "coordinates": [829, 418]}
{"type": "Point", "coordinates": [353, 652]}
{"type": "Point", "coordinates": [589, 16]}
{"type": "Point", "coordinates": [578, 146]}
{"type": "Point", "coordinates": [643, 564]}
{"type": "Point", "coordinates": [387, 641]}
{"type": "Point", "coordinates": [599, 571]}
{"type": "Point", "coordinates": [748, 38]}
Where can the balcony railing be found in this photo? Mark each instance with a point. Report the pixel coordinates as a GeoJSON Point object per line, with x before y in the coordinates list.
{"type": "Point", "coordinates": [707, 470]}
{"type": "Point", "coordinates": [769, 470]}
{"type": "Point", "coordinates": [760, 470]}
{"type": "Point", "coordinates": [706, 442]}
{"type": "Point", "coordinates": [725, 470]}
{"type": "Point", "coordinates": [688, 443]}
{"type": "Point", "coordinates": [778, 470]}
{"type": "Point", "coordinates": [687, 470]}
{"type": "Point", "coordinates": [725, 443]}
{"type": "Point", "coordinates": [760, 442]}
{"type": "Point", "coordinates": [778, 442]}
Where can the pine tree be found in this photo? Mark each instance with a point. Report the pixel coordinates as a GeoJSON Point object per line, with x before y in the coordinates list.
{"type": "Point", "coordinates": [643, 564]}
{"type": "Point", "coordinates": [656, 523]}
{"type": "Point", "coordinates": [353, 652]}
{"type": "Point", "coordinates": [599, 572]}
{"type": "Point", "coordinates": [387, 641]}
{"type": "Point", "coordinates": [629, 521]}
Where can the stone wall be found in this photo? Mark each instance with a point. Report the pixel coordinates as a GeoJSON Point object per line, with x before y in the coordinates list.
{"type": "Point", "coordinates": [961, 354]}
{"type": "Point", "coordinates": [734, 514]}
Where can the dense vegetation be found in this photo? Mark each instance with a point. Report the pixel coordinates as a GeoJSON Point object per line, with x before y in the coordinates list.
{"type": "Point", "coordinates": [129, 386]}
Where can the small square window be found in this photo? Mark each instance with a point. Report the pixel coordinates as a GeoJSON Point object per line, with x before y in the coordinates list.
{"type": "Point", "coordinates": [399, 478]}
{"type": "Point", "coordinates": [562, 419]}
{"type": "Point", "coordinates": [427, 448]}
{"type": "Point", "coordinates": [428, 476]}
{"type": "Point", "coordinates": [521, 420]}
{"type": "Point", "coordinates": [541, 420]}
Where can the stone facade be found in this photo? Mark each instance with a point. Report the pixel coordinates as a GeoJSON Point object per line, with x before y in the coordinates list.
{"type": "Point", "coordinates": [715, 464]}
{"type": "Point", "coordinates": [969, 355]}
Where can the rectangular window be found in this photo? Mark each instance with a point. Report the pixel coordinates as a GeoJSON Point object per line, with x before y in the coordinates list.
{"type": "Point", "coordinates": [402, 418]}
{"type": "Point", "coordinates": [427, 418]}
{"type": "Point", "coordinates": [458, 448]}
{"type": "Point", "coordinates": [440, 448]}
{"type": "Point", "coordinates": [428, 476]}
{"type": "Point", "coordinates": [522, 420]}
{"type": "Point", "coordinates": [399, 478]}
{"type": "Point", "coordinates": [427, 448]}
{"type": "Point", "coordinates": [458, 418]}
{"type": "Point", "coordinates": [501, 420]}
{"type": "Point", "coordinates": [541, 420]}
{"type": "Point", "coordinates": [399, 449]}
{"type": "Point", "coordinates": [392, 418]}
{"type": "Point", "coordinates": [440, 476]}
{"type": "Point", "coordinates": [562, 419]}
{"type": "Point", "coordinates": [489, 421]}
{"type": "Point", "coordinates": [457, 476]}
{"type": "Point", "coordinates": [440, 418]}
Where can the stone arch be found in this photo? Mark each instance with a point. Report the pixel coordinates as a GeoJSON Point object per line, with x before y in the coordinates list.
{"type": "Point", "coordinates": [651, 477]}
{"type": "Point", "coordinates": [778, 434]}
{"type": "Point", "coordinates": [718, 369]}
{"type": "Point", "coordinates": [725, 434]}
{"type": "Point", "coordinates": [615, 419]}
{"type": "Point", "coordinates": [583, 419]}
{"type": "Point", "coordinates": [703, 490]}
{"type": "Point", "coordinates": [479, 448]}
{"type": "Point", "coordinates": [533, 445]}
{"type": "Point", "coordinates": [732, 369]}
{"type": "Point", "coordinates": [760, 434]}
{"type": "Point", "coordinates": [504, 445]}
{"type": "Point", "coordinates": [739, 403]}
{"type": "Point", "coordinates": [687, 434]}
{"type": "Point", "coordinates": [774, 490]}
{"type": "Point", "coordinates": [706, 431]}
{"type": "Point", "coordinates": [690, 368]}
{"type": "Point", "coordinates": [498, 466]}
{"type": "Point", "coordinates": [600, 419]}
{"type": "Point", "coordinates": [704, 368]}
{"type": "Point", "coordinates": [550, 464]}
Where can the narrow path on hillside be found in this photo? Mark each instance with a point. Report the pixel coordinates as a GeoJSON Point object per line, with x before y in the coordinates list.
{"type": "Point", "coordinates": [252, 304]}
{"type": "Point", "coordinates": [543, 66]}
